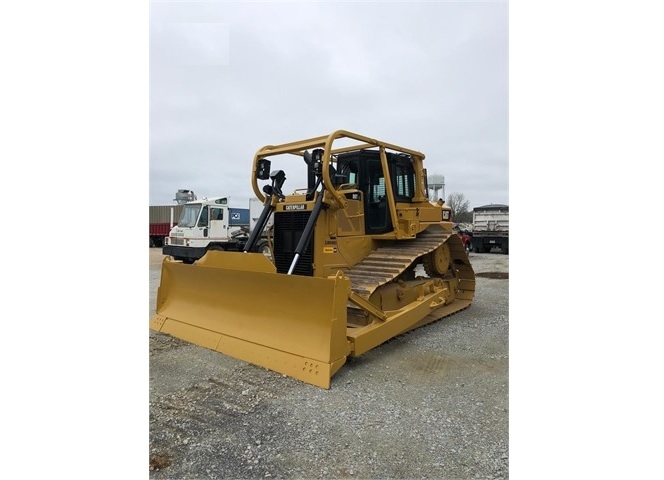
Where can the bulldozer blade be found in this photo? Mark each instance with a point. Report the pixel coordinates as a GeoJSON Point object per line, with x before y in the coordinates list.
{"type": "Point", "coordinates": [236, 303]}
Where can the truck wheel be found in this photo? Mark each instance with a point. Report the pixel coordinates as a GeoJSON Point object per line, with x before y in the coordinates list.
{"type": "Point", "coordinates": [264, 248]}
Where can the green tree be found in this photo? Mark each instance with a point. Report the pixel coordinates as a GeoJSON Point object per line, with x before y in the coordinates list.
{"type": "Point", "coordinates": [459, 205]}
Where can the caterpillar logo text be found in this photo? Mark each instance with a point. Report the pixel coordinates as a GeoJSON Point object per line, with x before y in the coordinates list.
{"type": "Point", "coordinates": [299, 206]}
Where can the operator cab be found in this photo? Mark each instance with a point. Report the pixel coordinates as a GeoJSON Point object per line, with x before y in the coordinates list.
{"type": "Point", "coordinates": [363, 169]}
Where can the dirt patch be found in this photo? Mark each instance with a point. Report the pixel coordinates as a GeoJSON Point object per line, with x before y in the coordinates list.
{"type": "Point", "coordinates": [157, 462]}
{"type": "Point", "coordinates": [495, 275]}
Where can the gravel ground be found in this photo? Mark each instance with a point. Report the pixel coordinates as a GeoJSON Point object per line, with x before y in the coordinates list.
{"type": "Point", "coordinates": [432, 403]}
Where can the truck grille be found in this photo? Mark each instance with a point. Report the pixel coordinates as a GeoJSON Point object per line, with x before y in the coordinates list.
{"type": "Point", "coordinates": [176, 241]}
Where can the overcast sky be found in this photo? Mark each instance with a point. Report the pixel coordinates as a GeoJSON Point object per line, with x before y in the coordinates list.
{"type": "Point", "coordinates": [227, 78]}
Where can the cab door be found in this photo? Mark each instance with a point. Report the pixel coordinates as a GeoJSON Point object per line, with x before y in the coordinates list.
{"type": "Point", "coordinates": [219, 223]}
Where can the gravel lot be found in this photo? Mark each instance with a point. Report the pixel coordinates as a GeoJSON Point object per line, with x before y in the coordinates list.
{"type": "Point", "coordinates": [432, 403]}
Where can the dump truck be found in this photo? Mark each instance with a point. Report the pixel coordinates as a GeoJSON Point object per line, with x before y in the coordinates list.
{"type": "Point", "coordinates": [211, 224]}
{"type": "Point", "coordinates": [491, 228]}
{"type": "Point", "coordinates": [359, 256]}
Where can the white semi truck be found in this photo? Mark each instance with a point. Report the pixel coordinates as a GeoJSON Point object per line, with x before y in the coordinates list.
{"type": "Point", "coordinates": [211, 224]}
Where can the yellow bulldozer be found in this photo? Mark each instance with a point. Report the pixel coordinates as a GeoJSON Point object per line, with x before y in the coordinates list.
{"type": "Point", "coordinates": [359, 256]}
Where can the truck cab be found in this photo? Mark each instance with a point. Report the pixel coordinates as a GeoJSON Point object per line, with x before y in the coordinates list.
{"type": "Point", "coordinates": [208, 224]}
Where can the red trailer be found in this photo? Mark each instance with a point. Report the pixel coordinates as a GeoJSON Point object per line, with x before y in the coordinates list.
{"type": "Point", "coordinates": [162, 219]}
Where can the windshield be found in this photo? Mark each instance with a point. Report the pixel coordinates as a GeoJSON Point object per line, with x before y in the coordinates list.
{"type": "Point", "coordinates": [189, 215]}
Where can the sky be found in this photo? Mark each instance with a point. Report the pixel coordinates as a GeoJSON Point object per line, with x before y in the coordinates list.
{"type": "Point", "coordinates": [227, 78]}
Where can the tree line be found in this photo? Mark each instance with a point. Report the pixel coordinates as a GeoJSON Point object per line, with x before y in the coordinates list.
{"type": "Point", "coordinates": [460, 208]}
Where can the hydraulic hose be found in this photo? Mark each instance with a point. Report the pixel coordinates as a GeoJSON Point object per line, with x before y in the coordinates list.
{"type": "Point", "coordinates": [260, 224]}
{"type": "Point", "coordinates": [308, 230]}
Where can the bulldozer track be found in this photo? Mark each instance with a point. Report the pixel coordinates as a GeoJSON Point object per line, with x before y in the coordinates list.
{"type": "Point", "coordinates": [388, 262]}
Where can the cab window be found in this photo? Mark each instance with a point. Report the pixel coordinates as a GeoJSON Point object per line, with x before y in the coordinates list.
{"type": "Point", "coordinates": [216, 214]}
